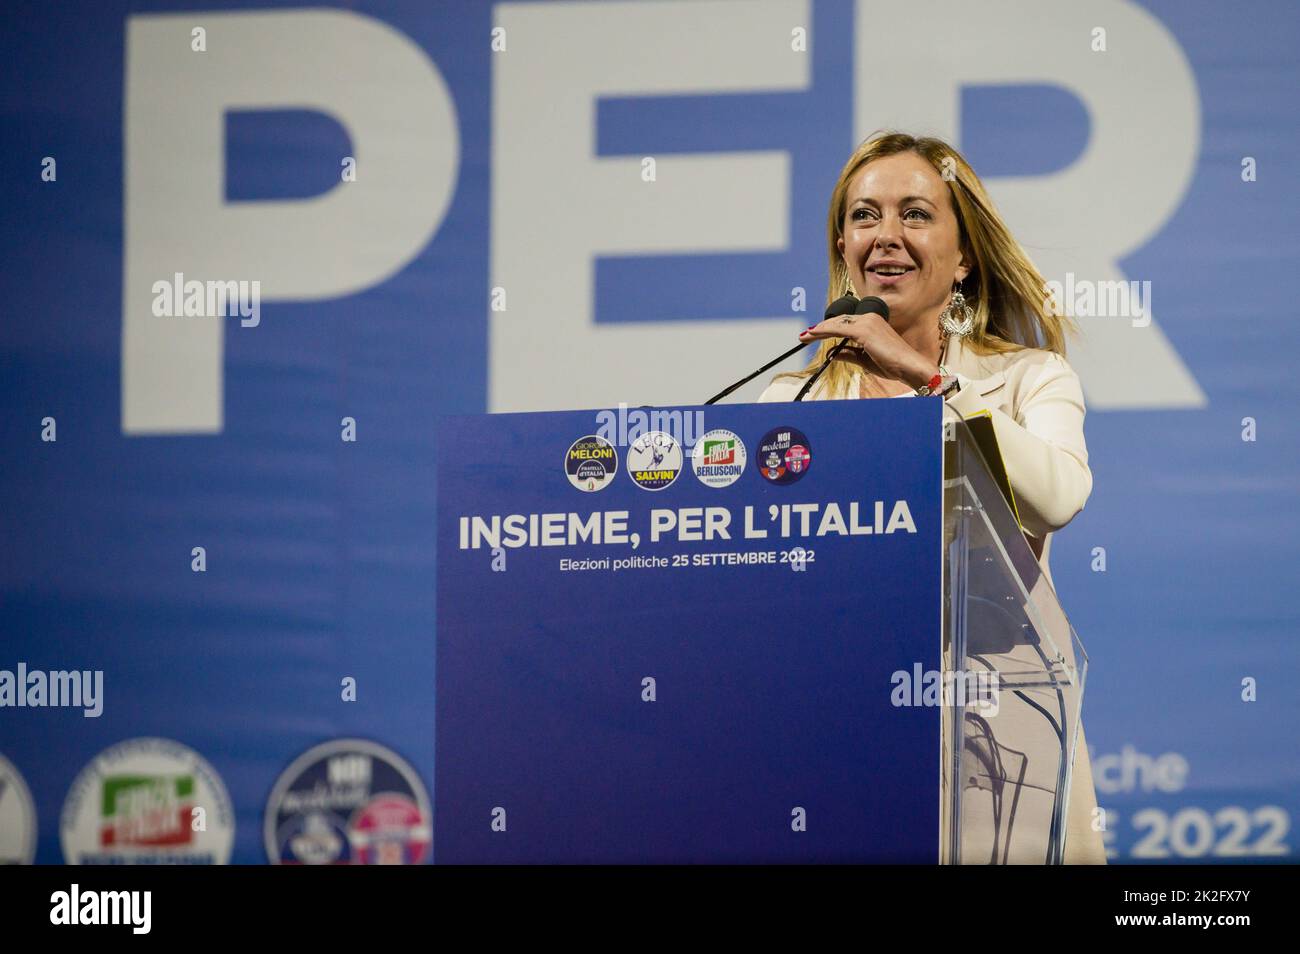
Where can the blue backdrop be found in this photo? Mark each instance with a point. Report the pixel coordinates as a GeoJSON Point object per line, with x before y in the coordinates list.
{"type": "Point", "coordinates": [504, 245]}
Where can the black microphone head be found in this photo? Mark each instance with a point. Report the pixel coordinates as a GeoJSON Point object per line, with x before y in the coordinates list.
{"type": "Point", "coordinates": [843, 305]}
{"type": "Point", "coordinates": [871, 305]}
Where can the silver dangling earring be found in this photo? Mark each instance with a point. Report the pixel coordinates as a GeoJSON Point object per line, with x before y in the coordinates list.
{"type": "Point", "coordinates": [957, 320]}
{"type": "Point", "coordinates": [848, 286]}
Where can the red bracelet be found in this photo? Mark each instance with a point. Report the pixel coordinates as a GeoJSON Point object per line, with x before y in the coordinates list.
{"type": "Point", "coordinates": [929, 387]}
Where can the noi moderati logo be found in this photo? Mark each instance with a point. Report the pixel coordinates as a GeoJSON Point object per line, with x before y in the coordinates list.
{"type": "Point", "coordinates": [133, 908]}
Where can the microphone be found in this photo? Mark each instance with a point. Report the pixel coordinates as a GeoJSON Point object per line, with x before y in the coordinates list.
{"type": "Point", "coordinates": [844, 305]}
{"type": "Point", "coordinates": [871, 305]}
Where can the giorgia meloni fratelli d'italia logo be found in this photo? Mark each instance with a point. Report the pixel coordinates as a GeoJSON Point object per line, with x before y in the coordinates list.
{"type": "Point", "coordinates": [654, 460]}
{"type": "Point", "coordinates": [147, 801]}
{"type": "Point", "coordinates": [591, 463]}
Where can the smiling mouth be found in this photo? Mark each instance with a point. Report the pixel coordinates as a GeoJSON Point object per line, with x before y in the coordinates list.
{"type": "Point", "coordinates": [889, 272]}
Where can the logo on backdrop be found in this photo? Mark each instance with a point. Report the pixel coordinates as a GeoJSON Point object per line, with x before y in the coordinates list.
{"type": "Point", "coordinates": [784, 455]}
{"type": "Point", "coordinates": [591, 463]}
{"type": "Point", "coordinates": [654, 460]}
{"type": "Point", "coordinates": [17, 817]}
{"type": "Point", "coordinates": [719, 458]}
{"type": "Point", "coordinates": [147, 801]}
{"type": "Point", "coordinates": [349, 801]}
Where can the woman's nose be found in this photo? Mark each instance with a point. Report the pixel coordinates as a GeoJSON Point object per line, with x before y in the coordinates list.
{"type": "Point", "coordinates": [889, 234]}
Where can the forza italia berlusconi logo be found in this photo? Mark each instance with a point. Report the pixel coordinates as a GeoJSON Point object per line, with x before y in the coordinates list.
{"type": "Point", "coordinates": [719, 458]}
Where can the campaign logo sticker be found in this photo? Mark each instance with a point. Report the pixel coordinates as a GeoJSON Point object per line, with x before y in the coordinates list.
{"type": "Point", "coordinates": [718, 458]}
{"type": "Point", "coordinates": [348, 801]}
{"type": "Point", "coordinates": [654, 460]}
{"type": "Point", "coordinates": [591, 463]}
{"type": "Point", "coordinates": [784, 455]}
{"type": "Point", "coordinates": [147, 801]}
{"type": "Point", "coordinates": [17, 817]}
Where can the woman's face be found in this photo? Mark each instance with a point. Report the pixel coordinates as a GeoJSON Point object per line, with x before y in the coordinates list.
{"type": "Point", "coordinates": [901, 241]}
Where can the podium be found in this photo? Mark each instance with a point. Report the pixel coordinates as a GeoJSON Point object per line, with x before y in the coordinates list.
{"type": "Point", "coordinates": [1006, 779]}
{"type": "Point", "coordinates": [790, 633]}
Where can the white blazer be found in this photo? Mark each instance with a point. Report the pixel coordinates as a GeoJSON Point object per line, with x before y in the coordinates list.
{"type": "Point", "coordinates": [1036, 403]}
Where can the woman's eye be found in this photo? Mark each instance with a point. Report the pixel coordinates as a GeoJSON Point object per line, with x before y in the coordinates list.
{"type": "Point", "coordinates": [859, 215]}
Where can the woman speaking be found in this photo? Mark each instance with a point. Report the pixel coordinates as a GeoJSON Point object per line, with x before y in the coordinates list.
{"type": "Point", "coordinates": [911, 224]}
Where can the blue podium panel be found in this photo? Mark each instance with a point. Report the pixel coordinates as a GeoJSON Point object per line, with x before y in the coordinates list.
{"type": "Point", "coordinates": [689, 635]}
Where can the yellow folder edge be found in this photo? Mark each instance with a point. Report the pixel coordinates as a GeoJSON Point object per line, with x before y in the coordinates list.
{"type": "Point", "coordinates": [986, 439]}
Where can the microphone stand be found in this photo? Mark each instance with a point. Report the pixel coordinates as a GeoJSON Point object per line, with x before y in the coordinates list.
{"type": "Point", "coordinates": [843, 305]}
{"type": "Point", "coordinates": [743, 381]}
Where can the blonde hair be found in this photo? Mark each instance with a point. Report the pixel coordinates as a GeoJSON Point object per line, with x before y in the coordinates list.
{"type": "Point", "coordinates": [1012, 307]}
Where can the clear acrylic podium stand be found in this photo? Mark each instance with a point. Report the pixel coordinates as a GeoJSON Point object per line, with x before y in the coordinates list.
{"type": "Point", "coordinates": [1013, 678]}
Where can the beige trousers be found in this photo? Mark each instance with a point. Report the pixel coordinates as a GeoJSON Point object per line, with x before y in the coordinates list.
{"type": "Point", "coordinates": [1083, 844]}
{"type": "Point", "coordinates": [1008, 773]}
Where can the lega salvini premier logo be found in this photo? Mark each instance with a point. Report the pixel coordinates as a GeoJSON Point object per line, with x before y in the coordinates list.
{"type": "Point", "coordinates": [654, 460]}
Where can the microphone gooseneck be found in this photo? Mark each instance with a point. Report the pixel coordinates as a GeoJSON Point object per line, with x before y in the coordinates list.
{"type": "Point", "coordinates": [844, 305]}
